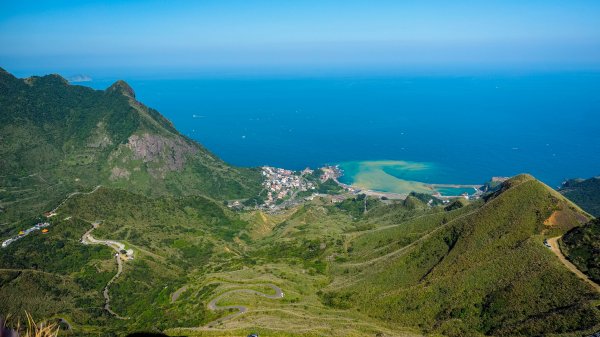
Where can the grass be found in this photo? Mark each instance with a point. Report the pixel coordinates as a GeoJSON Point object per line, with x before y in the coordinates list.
{"type": "Point", "coordinates": [300, 312]}
{"type": "Point", "coordinates": [395, 270]}
{"type": "Point", "coordinates": [59, 138]}
{"type": "Point", "coordinates": [360, 267]}
{"type": "Point", "coordinates": [484, 272]}
{"type": "Point", "coordinates": [31, 328]}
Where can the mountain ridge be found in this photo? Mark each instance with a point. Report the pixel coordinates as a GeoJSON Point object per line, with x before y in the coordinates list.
{"type": "Point", "coordinates": [75, 137]}
{"type": "Point", "coordinates": [458, 269]}
{"type": "Point", "coordinates": [355, 265]}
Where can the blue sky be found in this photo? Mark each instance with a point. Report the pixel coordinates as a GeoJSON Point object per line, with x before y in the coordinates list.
{"type": "Point", "coordinates": [112, 36]}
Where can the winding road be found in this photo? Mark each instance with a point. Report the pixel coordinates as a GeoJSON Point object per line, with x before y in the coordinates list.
{"type": "Point", "coordinates": [553, 242]}
{"type": "Point", "coordinates": [118, 247]}
{"type": "Point", "coordinates": [212, 305]}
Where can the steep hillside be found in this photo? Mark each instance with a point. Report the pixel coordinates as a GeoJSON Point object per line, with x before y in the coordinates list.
{"type": "Point", "coordinates": [483, 271]}
{"type": "Point", "coordinates": [57, 138]}
{"type": "Point", "coordinates": [141, 239]}
{"type": "Point", "coordinates": [173, 240]}
{"type": "Point", "coordinates": [392, 269]}
{"type": "Point", "coordinates": [582, 247]}
{"type": "Point", "coordinates": [584, 192]}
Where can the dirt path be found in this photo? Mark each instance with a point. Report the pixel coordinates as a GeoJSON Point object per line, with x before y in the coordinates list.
{"type": "Point", "coordinates": [412, 244]}
{"type": "Point", "coordinates": [424, 237]}
{"type": "Point", "coordinates": [212, 305]}
{"type": "Point", "coordinates": [74, 194]}
{"type": "Point", "coordinates": [118, 247]}
{"type": "Point", "coordinates": [178, 293]}
{"type": "Point", "coordinates": [553, 242]}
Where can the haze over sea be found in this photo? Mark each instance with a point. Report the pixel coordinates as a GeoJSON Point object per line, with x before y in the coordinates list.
{"type": "Point", "coordinates": [456, 129]}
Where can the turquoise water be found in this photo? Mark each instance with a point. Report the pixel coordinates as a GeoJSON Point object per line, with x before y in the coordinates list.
{"type": "Point", "coordinates": [465, 129]}
{"type": "Point", "coordinates": [455, 191]}
{"type": "Point", "coordinates": [397, 176]}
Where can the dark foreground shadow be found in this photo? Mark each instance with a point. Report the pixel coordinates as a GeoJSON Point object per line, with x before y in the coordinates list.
{"type": "Point", "coordinates": [148, 334]}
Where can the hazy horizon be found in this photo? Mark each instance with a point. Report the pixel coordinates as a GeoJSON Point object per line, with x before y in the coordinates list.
{"type": "Point", "coordinates": [264, 37]}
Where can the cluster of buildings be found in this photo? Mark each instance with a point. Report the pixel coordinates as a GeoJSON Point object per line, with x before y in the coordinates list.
{"type": "Point", "coordinates": [40, 226]}
{"type": "Point", "coordinates": [330, 172]}
{"type": "Point", "coordinates": [281, 183]}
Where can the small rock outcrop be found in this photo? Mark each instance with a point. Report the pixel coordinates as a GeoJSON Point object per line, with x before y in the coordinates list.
{"type": "Point", "coordinates": [118, 173]}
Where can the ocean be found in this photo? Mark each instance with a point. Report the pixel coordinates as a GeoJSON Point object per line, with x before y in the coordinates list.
{"type": "Point", "coordinates": [387, 130]}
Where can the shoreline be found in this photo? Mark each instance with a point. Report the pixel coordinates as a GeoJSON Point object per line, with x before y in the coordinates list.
{"type": "Point", "coordinates": [402, 196]}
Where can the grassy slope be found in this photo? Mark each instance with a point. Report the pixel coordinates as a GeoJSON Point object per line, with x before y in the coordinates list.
{"type": "Point", "coordinates": [476, 269]}
{"type": "Point", "coordinates": [57, 138]}
{"type": "Point", "coordinates": [173, 239]}
{"type": "Point", "coordinates": [55, 276]}
{"type": "Point", "coordinates": [486, 271]}
{"type": "Point", "coordinates": [470, 269]}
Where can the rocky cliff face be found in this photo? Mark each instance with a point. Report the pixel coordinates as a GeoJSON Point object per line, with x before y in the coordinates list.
{"type": "Point", "coordinates": [62, 138]}
{"type": "Point", "coordinates": [158, 154]}
{"type": "Point", "coordinates": [154, 148]}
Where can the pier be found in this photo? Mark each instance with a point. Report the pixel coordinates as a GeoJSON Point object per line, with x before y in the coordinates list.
{"type": "Point", "coordinates": [454, 186]}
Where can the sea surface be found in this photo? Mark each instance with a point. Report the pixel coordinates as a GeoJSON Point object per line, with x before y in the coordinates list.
{"type": "Point", "coordinates": [389, 132]}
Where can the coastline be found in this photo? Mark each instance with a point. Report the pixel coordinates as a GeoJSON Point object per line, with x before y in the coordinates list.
{"type": "Point", "coordinates": [436, 189]}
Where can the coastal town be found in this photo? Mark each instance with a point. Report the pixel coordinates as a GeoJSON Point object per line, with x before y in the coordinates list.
{"type": "Point", "coordinates": [284, 187]}
{"type": "Point", "coordinates": [281, 183]}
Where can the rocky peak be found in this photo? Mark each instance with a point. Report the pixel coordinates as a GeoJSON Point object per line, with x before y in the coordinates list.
{"type": "Point", "coordinates": [46, 80]}
{"type": "Point", "coordinates": [122, 87]}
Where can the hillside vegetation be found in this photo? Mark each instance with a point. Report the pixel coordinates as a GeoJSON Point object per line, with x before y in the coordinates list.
{"type": "Point", "coordinates": [484, 271]}
{"type": "Point", "coordinates": [361, 266]}
{"type": "Point", "coordinates": [582, 247]}
{"type": "Point", "coordinates": [584, 192]}
{"type": "Point", "coordinates": [480, 269]}
{"type": "Point", "coordinates": [57, 138]}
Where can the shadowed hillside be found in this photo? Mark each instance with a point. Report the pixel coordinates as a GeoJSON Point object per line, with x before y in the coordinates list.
{"type": "Point", "coordinates": [582, 247]}
{"type": "Point", "coordinates": [584, 192]}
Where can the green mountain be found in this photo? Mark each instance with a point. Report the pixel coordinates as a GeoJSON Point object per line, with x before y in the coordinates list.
{"type": "Point", "coordinates": [584, 192]}
{"type": "Point", "coordinates": [481, 270]}
{"type": "Point", "coordinates": [56, 138]}
{"type": "Point", "coordinates": [155, 249]}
